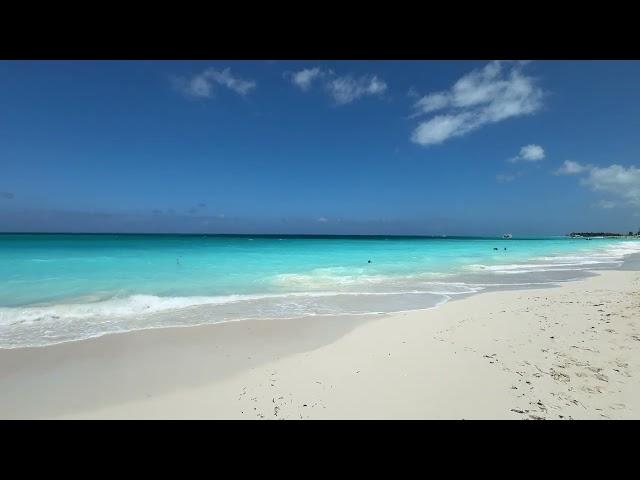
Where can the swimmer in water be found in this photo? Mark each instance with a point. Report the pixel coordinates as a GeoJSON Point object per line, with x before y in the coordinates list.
{"type": "Point", "coordinates": [369, 261]}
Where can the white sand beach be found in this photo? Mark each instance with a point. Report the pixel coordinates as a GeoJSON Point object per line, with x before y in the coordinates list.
{"type": "Point", "coordinates": [567, 352]}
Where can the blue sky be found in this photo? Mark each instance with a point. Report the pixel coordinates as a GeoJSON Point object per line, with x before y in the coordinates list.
{"type": "Point", "coordinates": [388, 147]}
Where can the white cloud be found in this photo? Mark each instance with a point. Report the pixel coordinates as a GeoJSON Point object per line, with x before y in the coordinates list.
{"type": "Point", "coordinates": [532, 153]}
{"type": "Point", "coordinates": [618, 180]}
{"type": "Point", "coordinates": [323, 219]}
{"type": "Point", "coordinates": [238, 85]}
{"type": "Point", "coordinates": [441, 127]}
{"type": "Point", "coordinates": [529, 153]}
{"type": "Point", "coordinates": [198, 86]}
{"type": "Point", "coordinates": [201, 85]}
{"type": "Point", "coordinates": [488, 95]}
{"type": "Point", "coordinates": [347, 89]}
{"type": "Point", "coordinates": [569, 167]}
{"type": "Point", "coordinates": [344, 89]}
{"type": "Point", "coordinates": [622, 182]}
{"type": "Point", "coordinates": [304, 78]}
{"type": "Point", "coordinates": [431, 103]}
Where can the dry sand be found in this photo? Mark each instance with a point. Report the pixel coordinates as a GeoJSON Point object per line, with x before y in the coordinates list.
{"type": "Point", "coordinates": [553, 353]}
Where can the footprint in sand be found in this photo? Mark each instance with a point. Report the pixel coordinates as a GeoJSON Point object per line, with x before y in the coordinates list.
{"type": "Point", "coordinates": [536, 417]}
{"type": "Point", "coordinates": [602, 377]}
{"type": "Point", "coordinates": [591, 389]}
{"type": "Point", "coordinates": [559, 376]}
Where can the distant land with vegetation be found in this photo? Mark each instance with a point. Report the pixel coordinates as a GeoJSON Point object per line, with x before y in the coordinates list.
{"type": "Point", "coordinates": [603, 234]}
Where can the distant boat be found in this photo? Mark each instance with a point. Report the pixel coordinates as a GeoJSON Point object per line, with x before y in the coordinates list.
{"type": "Point", "coordinates": [507, 235]}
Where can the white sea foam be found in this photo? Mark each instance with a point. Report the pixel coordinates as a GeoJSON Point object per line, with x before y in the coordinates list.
{"type": "Point", "coordinates": [47, 325]}
{"type": "Point", "coordinates": [339, 277]}
{"type": "Point", "coordinates": [140, 305]}
{"type": "Point", "coordinates": [612, 255]}
{"type": "Point", "coordinates": [115, 307]}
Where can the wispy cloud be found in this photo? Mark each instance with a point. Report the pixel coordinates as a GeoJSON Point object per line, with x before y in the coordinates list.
{"type": "Point", "coordinates": [304, 78]}
{"type": "Point", "coordinates": [343, 89]}
{"type": "Point", "coordinates": [202, 84]}
{"type": "Point", "coordinates": [413, 93]}
{"type": "Point", "coordinates": [323, 219]}
{"type": "Point", "coordinates": [617, 180]}
{"type": "Point", "coordinates": [569, 167]}
{"type": "Point", "coordinates": [431, 103]}
{"type": "Point", "coordinates": [442, 127]}
{"type": "Point", "coordinates": [529, 153]}
{"type": "Point", "coordinates": [7, 195]}
{"type": "Point", "coordinates": [347, 89]}
{"type": "Point", "coordinates": [492, 94]}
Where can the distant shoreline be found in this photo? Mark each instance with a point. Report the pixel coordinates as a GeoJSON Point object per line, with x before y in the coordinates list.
{"type": "Point", "coordinates": [602, 235]}
{"type": "Point", "coordinates": [318, 236]}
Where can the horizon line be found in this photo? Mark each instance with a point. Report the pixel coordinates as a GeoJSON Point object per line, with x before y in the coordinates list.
{"type": "Point", "coordinates": [283, 234]}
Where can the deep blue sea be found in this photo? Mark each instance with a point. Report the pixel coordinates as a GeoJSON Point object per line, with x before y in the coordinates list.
{"type": "Point", "coordinates": [56, 288]}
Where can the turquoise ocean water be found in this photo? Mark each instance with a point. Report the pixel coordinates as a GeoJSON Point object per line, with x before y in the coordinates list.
{"type": "Point", "coordinates": [56, 288]}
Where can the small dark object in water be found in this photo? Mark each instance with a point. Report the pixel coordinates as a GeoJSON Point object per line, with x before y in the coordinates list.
{"type": "Point", "coordinates": [495, 248]}
{"type": "Point", "coordinates": [505, 248]}
{"type": "Point", "coordinates": [369, 261]}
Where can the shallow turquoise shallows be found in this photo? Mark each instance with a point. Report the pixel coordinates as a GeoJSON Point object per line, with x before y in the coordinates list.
{"type": "Point", "coordinates": [57, 288]}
